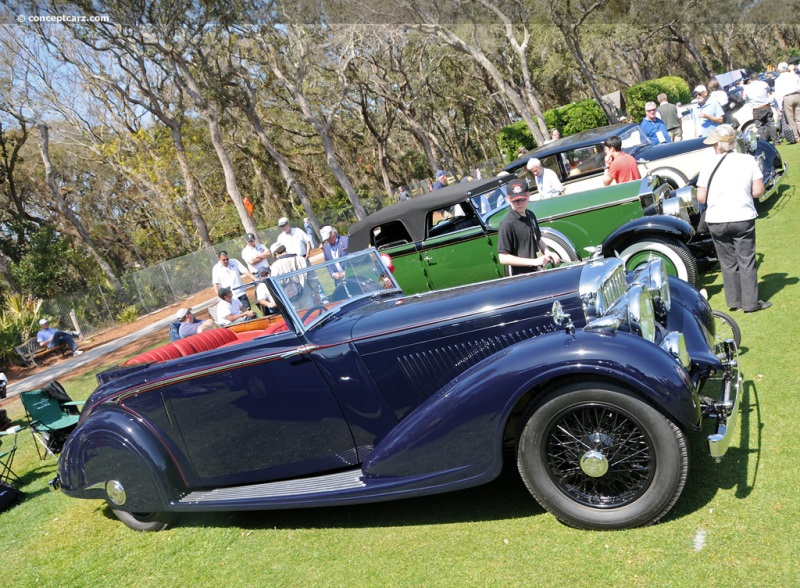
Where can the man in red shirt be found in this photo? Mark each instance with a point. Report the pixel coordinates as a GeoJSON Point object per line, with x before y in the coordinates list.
{"type": "Point", "coordinates": [619, 165]}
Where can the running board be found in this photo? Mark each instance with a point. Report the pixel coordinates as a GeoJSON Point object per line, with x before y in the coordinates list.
{"type": "Point", "coordinates": [342, 481]}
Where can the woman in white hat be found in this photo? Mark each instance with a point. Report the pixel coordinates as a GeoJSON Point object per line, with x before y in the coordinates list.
{"type": "Point", "coordinates": [728, 187]}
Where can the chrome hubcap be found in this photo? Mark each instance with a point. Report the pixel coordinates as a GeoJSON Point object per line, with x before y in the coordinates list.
{"type": "Point", "coordinates": [594, 464]}
{"type": "Point", "coordinates": [116, 492]}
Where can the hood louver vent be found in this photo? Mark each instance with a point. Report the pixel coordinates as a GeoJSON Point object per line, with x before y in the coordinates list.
{"type": "Point", "coordinates": [434, 368]}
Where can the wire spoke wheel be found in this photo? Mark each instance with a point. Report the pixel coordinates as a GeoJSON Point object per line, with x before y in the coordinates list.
{"type": "Point", "coordinates": [597, 456]}
{"type": "Point", "coordinates": [589, 440]}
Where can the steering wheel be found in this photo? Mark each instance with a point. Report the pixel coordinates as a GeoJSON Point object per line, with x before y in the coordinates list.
{"type": "Point", "coordinates": [311, 310]}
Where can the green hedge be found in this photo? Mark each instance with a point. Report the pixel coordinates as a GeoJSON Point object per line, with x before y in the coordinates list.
{"type": "Point", "coordinates": [676, 89]}
{"type": "Point", "coordinates": [570, 119]}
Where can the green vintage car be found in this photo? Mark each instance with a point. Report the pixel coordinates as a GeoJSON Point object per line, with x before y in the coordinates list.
{"type": "Point", "coordinates": [449, 237]}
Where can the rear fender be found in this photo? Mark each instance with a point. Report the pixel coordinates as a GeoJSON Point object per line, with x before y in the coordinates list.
{"type": "Point", "coordinates": [648, 227]}
{"type": "Point", "coordinates": [460, 429]}
{"type": "Point", "coordinates": [115, 446]}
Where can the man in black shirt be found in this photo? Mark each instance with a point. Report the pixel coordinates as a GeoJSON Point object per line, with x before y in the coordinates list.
{"type": "Point", "coordinates": [519, 239]}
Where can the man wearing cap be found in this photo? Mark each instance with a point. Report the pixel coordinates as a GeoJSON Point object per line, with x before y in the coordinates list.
{"type": "Point", "coordinates": [48, 337]}
{"type": "Point", "coordinates": [728, 185]}
{"type": "Point", "coordinates": [652, 126]}
{"type": "Point", "coordinates": [758, 94]}
{"type": "Point", "coordinates": [263, 297]}
{"type": "Point", "coordinates": [295, 240]}
{"type": "Point", "coordinates": [709, 113]}
{"type": "Point", "coordinates": [254, 254]}
{"type": "Point", "coordinates": [620, 166]}
{"type": "Point", "coordinates": [229, 309]}
{"type": "Point", "coordinates": [190, 325]}
{"type": "Point", "coordinates": [547, 182]}
{"type": "Point", "coordinates": [787, 95]}
{"type": "Point", "coordinates": [227, 273]}
{"type": "Point", "coordinates": [441, 180]}
{"type": "Point", "coordinates": [519, 240]}
{"type": "Point", "coordinates": [334, 247]}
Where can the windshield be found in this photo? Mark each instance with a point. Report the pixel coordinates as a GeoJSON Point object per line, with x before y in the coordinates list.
{"type": "Point", "coordinates": [318, 290]}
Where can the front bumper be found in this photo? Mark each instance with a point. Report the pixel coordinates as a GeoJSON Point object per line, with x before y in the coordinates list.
{"type": "Point", "coordinates": [778, 177]}
{"type": "Point", "coordinates": [726, 409]}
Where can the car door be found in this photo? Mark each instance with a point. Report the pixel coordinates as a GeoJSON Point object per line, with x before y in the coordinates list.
{"type": "Point", "coordinates": [250, 417]}
{"type": "Point", "coordinates": [458, 244]}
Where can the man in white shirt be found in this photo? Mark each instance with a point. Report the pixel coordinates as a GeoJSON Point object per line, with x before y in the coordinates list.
{"type": "Point", "coordinates": [757, 93]}
{"type": "Point", "coordinates": [263, 297]}
{"type": "Point", "coordinates": [228, 274]}
{"type": "Point", "coordinates": [255, 254]}
{"type": "Point", "coordinates": [787, 95]}
{"type": "Point", "coordinates": [229, 309]}
{"type": "Point", "coordinates": [546, 179]}
{"type": "Point", "coordinates": [295, 240]}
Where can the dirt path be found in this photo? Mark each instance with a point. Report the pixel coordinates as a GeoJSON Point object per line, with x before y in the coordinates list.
{"type": "Point", "coordinates": [16, 373]}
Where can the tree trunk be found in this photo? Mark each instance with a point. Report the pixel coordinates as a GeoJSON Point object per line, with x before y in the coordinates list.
{"type": "Point", "coordinates": [67, 213]}
{"type": "Point", "coordinates": [191, 189]}
{"type": "Point", "coordinates": [283, 166]}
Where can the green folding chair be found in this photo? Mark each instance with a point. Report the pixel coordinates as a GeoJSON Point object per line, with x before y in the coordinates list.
{"type": "Point", "coordinates": [7, 451]}
{"type": "Point", "coordinates": [50, 423]}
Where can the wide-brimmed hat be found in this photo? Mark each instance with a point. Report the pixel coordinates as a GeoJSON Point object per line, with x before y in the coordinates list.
{"type": "Point", "coordinates": [721, 134]}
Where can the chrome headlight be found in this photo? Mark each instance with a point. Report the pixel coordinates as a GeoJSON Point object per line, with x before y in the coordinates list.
{"type": "Point", "coordinates": [689, 196]}
{"type": "Point", "coordinates": [633, 312]}
{"type": "Point", "coordinates": [675, 207]}
{"type": "Point", "coordinates": [653, 277]}
{"type": "Point", "coordinates": [602, 284]}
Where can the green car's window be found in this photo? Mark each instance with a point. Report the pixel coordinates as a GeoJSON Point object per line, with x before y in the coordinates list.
{"type": "Point", "coordinates": [389, 234]}
{"type": "Point", "coordinates": [448, 220]}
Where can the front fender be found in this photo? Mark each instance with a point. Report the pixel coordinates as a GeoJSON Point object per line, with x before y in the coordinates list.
{"type": "Point", "coordinates": [460, 428]}
{"type": "Point", "coordinates": [114, 445]}
{"type": "Point", "coordinates": [649, 227]}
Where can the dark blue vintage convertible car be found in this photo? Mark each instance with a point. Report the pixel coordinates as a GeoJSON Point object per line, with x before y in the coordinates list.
{"type": "Point", "coordinates": [588, 377]}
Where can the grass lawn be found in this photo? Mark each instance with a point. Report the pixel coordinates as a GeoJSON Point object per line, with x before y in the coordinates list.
{"type": "Point", "coordinates": [736, 524]}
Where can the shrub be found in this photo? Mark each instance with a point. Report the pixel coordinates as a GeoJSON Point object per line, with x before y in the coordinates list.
{"type": "Point", "coordinates": [514, 136]}
{"type": "Point", "coordinates": [128, 314]}
{"type": "Point", "coordinates": [676, 89]}
{"type": "Point", "coordinates": [18, 322]}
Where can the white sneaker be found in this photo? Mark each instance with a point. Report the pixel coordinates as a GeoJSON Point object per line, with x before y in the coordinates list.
{"type": "Point", "coordinates": [77, 352]}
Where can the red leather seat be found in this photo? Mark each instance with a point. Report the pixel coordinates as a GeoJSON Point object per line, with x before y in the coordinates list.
{"type": "Point", "coordinates": [204, 341]}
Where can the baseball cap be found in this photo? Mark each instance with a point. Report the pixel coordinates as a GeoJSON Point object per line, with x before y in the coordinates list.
{"type": "Point", "coordinates": [283, 221]}
{"type": "Point", "coordinates": [440, 173]}
{"type": "Point", "coordinates": [249, 237]}
{"type": "Point", "coordinates": [325, 232]}
{"type": "Point", "coordinates": [222, 292]}
{"type": "Point", "coordinates": [721, 134]}
{"type": "Point", "coordinates": [181, 313]}
{"type": "Point", "coordinates": [699, 90]}
{"type": "Point", "coordinates": [274, 248]}
{"type": "Point", "coordinates": [517, 190]}
{"type": "Point", "coordinates": [264, 269]}
{"type": "Point", "coordinates": [783, 66]}
{"type": "Point", "coordinates": [43, 321]}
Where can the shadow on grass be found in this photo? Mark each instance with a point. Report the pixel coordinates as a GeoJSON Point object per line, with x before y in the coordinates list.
{"type": "Point", "coordinates": [783, 195]}
{"type": "Point", "coordinates": [738, 470]}
{"type": "Point", "coordinates": [504, 498]}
